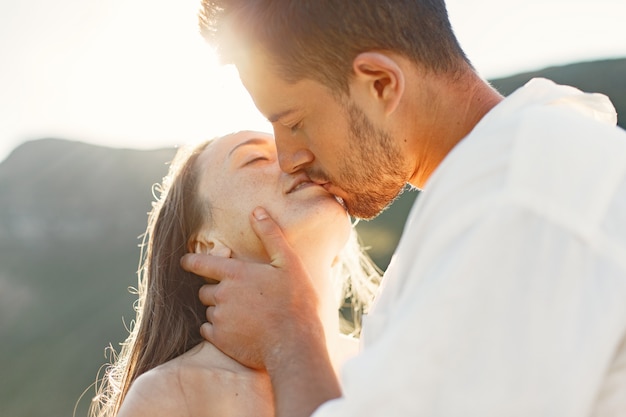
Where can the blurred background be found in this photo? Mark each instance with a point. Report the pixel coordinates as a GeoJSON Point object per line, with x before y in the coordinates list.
{"type": "Point", "coordinates": [96, 96]}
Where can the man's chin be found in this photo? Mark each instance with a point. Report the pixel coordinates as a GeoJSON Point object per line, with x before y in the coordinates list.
{"type": "Point", "coordinates": [366, 208]}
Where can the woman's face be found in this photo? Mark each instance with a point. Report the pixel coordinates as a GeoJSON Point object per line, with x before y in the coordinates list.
{"type": "Point", "coordinates": [240, 172]}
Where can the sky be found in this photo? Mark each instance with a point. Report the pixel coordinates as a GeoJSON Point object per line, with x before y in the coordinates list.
{"type": "Point", "coordinates": [137, 74]}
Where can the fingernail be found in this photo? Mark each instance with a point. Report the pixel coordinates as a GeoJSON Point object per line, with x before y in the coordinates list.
{"type": "Point", "coordinates": [184, 260]}
{"type": "Point", "coordinates": [259, 213]}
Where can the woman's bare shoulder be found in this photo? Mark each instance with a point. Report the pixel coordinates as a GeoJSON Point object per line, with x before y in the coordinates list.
{"type": "Point", "coordinates": [154, 393]}
{"type": "Point", "coordinates": [201, 382]}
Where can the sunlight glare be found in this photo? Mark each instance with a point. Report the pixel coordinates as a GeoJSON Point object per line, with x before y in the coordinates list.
{"type": "Point", "coordinates": [144, 79]}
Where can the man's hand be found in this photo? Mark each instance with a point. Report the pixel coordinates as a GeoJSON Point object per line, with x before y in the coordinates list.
{"type": "Point", "coordinates": [258, 313]}
{"type": "Point", "coordinates": [265, 316]}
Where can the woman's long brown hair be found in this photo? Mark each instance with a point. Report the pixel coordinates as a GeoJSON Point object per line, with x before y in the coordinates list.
{"type": "Point", "coordinates": [169, 312]}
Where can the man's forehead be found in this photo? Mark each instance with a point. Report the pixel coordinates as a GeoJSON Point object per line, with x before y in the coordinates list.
{"type": "Point", "coordinates": [273, 97]}
{"type": "Point", "coordinates": [255, 66]}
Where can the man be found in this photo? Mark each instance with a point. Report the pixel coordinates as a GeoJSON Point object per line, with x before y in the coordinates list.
{"type": "Point", "coordinates": [506, 293]}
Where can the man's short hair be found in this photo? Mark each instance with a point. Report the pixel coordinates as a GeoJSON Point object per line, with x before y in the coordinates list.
{"type": "Point", "coordinates": [319, 39]}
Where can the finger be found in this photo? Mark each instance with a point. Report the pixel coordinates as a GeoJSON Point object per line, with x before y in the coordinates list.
{"type": "Point", "coordinates": [206, 293]}
{"type": "Point", "coordinates": [271, 236]}
{"type": "Point", "coordinates": [207, 266]}
{"type": "Point", "coordinates": [206, 331]}
{"type": "Point", "coordinates": [210, 314]}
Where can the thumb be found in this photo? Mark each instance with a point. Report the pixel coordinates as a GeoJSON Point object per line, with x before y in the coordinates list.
{"type": "Point", "coordinates": [272, 237]}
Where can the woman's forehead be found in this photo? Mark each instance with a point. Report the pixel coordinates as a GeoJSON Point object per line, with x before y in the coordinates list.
{"type": "Point", "coordinates": [246, 135]}
{"type": "Point", "coordinates": [217, 154]}
{"type": "Point", "coordinates": [225, 145]}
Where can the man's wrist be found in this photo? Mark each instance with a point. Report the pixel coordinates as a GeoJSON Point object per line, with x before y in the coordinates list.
{"type": "Point", "coordinates": [303, 377]}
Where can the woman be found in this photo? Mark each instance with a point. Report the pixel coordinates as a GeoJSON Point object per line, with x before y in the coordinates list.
{"type": "Point", "coordinates": [165, 367]}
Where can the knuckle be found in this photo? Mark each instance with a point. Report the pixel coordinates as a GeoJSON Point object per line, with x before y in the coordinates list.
{"type": "Point", "coordinates": [219, 295]}
{"type": "Point", "coordinates": [192, 262]}
{"type": "Point", "coordinates": [216, 315]}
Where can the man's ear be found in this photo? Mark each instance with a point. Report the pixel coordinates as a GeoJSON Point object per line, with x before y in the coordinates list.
{"type": "Point", "coordinates": [208, 243]}
{"type": "Point", "coordinates": [381, 77]}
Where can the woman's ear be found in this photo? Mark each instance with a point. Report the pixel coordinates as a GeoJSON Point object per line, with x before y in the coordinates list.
{"type": "Point", "coordinates": [381, 77]}
{"type": "Point", "coordinates": [209, 244]}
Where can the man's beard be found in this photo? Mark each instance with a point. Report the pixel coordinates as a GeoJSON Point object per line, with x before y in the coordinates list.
{"type": "Point", "coordinates": [372, 176]}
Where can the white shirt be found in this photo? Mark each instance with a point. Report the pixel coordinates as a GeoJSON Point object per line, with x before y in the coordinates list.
{"type": "Point", "coordinates": [507, 293]}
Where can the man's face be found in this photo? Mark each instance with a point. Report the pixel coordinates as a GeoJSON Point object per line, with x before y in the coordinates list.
{"type": "Point", "coordinates": [330, 138]}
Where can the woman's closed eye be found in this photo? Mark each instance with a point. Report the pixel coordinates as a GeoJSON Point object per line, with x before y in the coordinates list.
{"type": "Point", "coordinates": [255, 159]}
{"type": "Point", "coordinates": [251, 152]}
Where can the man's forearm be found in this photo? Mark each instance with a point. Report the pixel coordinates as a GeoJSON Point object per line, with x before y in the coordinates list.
{"type": "Point", "coordinates": [304, 381]}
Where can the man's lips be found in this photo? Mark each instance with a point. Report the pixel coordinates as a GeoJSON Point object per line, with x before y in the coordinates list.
{"type": "Point", "coordinates": [329, 188]}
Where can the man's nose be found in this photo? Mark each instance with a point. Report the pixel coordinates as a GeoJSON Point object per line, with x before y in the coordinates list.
{"type": "Point", "coordinates": [291, 162]}
{"type": "Point", "coordinates": [292, 156]}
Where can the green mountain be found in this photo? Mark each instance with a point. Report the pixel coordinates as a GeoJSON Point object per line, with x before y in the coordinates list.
{"type": "Point", "coordinates": [70, 215]}
{"type": "Point", "coordinates": [70, 219]}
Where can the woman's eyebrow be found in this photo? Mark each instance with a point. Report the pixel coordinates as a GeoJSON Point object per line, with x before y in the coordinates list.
{"type": "Point", "coordinates": [253, 141]}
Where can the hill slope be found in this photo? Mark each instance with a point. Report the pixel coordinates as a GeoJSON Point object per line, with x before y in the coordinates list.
{"type": "Point", "coordinates": [70, 215]}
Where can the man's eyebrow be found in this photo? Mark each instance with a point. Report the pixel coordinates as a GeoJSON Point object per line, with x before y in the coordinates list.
{"type": "Point", "coordinates": [253, 141]}
{"type": "Point", "coordinates": [276, 117]}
